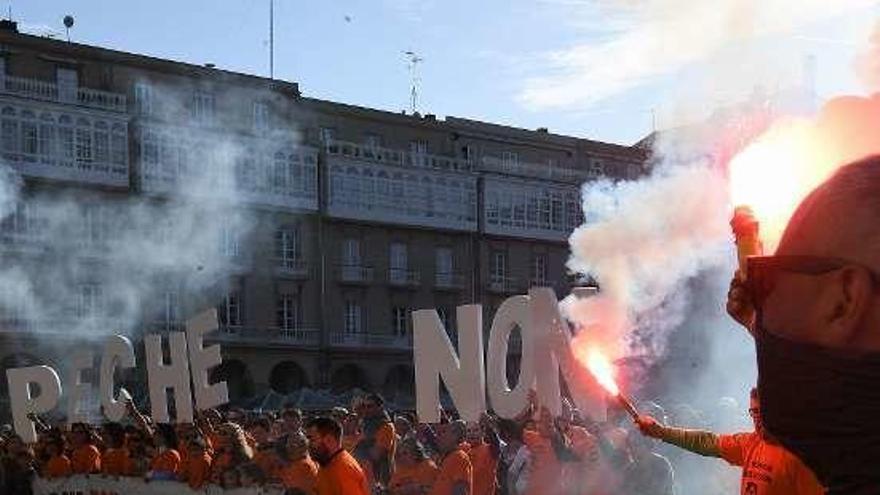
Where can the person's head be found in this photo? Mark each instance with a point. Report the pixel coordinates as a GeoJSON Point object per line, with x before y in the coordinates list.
{"type": "Point", "coordinates": [373, 405]}
{"type": "Point", "coordinates": [402, 425]}
{"type": "Point", "coordinates": [260, 430]}
{"type": "Point", "coordinates": [80, 434]}
{"type": "Point", "coordinates": [474, 433]}
{"type": "Point", "coordinates": [196, 446]}
{"type": "Point", "coordinates": [450, 435]}
{"type": "Point", "coordinates": [755, 411]}
{"type": "Point", "coordinates": [410, 452]}
{"type": "Point", "coordinates": [510, 431]}
{"type": "Point", "coordinates": [54, 446]}
{"type": "Point", "coordinates": [833, 298]}
{"type": "Point", "coordinates": [167, 436]}
{"type": "Point", "coordinates": [351, 424]}
{"type": "Point", "coordinates": [325, 437]}
{"type": "Point", "coordinates": [114, 435]}
{"type": "Point", "coordinates": [292, 418]}
{"type": "Point", "coordinates": [296, 445]}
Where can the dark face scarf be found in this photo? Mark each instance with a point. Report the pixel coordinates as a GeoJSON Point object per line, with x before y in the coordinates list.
{"type": "Point", "coordinates": [824, 406]}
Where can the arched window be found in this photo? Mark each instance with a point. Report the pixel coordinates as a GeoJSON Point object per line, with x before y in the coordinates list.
{"type": "Point", "coordinates": [46, 138]}
{"type": "Point", "coordinates": [28, 136]}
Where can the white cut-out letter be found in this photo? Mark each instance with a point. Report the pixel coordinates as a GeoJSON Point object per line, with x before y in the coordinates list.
{"type": "Point", "coordinates": [174, 375]}
{"type": "Point", "coordinates": [507, 403]}
{"type": "Point", "coordinates": [23, 403]}
{"type": "Point", "coordinates": [118, 352]}
{"type": "Point", "coordinates": [202, 359]}
{"type": "Point", "coordinates": [435, 359]}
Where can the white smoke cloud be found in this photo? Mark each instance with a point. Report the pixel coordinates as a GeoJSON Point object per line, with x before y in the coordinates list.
{"type": "Point", "coordinates": [641, 241]}
{"type": "Point", "coordinates": [131, 248]}
{"type": "Point", "coordinates": [654, 38]}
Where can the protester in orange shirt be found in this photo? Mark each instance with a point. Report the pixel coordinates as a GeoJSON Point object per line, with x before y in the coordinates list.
{"type": "Point", "coordinates": [768, 468]}
{"type": "Point", "coordinates": [340, 474]}
{"type": "Point", "coordinates": [196, 468]}
{"type": "Point", "coordinates": [545, 469]}
{"type": "Point", "coordinates": [484, 456]}
{"type": "Point", "coordinates": [299, 473]}
{"type": "Point", "coordinates": [265, 451]}
{"type": "Point", "coordinates": [86, 458]}
{"type": "Point", "coordinates": [165, 465]}
{"type": "Point", "coordinates": [456, 473]}
{"type": "Point", "coordinates": [375, 450]}
{"type": "Point", "coordinates": [115, 461]}
{"type": "Point", "coordinates": [57, 465]}
{"type": "Point", "coordinates": [414, 471]}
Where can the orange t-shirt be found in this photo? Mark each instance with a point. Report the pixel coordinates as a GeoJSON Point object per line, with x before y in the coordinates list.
{"type": "Point", "coordinates": [301, 474]}
{"type": "Point", "coordinates": [116, 462]}
{"type": "Point", "coordinates": [196, 470]}
{"type": "Point", "coordinates": [456, 468]}
{"type": "Point", "coordinates": [485, 469]}
{"type": "Point", "coordinates": [57, 467]}
{"type": "Point", "coordinates": [342, 476]}
{"type": "Point", "coordinates": [545, 470]}
{"type": "Point", "coordinates": [85, 460]}
{"type": "Point", "coordinates": [167, 461]}
{"type": "Point", "coordinates": [421, 474]}
{"type": "Point", "coordinates": [268, 462]}
{"type": "Point", "coordinates": [768, 469]}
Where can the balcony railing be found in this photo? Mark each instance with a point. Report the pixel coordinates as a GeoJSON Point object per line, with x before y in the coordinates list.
{"type": "Point", "coordinates": [403, 277]}
{"type": "Point", "coordinates": [398, 158]}
{"type": "Point", "coordinates": [538, 170]}
{"type": "Point", "coordinates": [371, 340]}
{"type": "Point", "coordinates": [292, 337]}
{"type": "Point", "coordinates": [449, 281]}
{"type": "Point", "coordinates": [44, 90]}
{"type": "Point", "coordinates": [355, 274]}
{"type": "Point", "coordinates": [292, 268]}
{"type": "Point", "coordinates": [505, 285]}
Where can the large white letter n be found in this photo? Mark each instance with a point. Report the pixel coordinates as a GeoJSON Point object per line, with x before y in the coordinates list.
{"type": "Point", "coordinates": [435, 359]}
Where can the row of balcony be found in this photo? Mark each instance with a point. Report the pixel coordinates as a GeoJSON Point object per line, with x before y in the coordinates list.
{"type": "Point", "coordinates": [308, 337]}
{"type": "Point", "coordinates": [49, 91]}
{"type": "Point", "coordinates": [400, 158]}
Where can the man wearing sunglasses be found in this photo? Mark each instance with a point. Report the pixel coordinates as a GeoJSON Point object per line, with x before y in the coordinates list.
{"type": "Point", "coordinates": [814, 310]}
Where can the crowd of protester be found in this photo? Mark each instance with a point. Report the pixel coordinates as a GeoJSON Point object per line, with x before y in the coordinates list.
{"type": "Point", "coordinates": [360, 450]}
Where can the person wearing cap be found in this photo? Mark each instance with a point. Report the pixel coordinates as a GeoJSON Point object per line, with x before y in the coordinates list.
{"type": "Point", "coordinates": [456, 472]}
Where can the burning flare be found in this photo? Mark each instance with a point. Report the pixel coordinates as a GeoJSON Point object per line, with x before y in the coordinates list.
{"type": "Point", "coordinates": [602, 370]}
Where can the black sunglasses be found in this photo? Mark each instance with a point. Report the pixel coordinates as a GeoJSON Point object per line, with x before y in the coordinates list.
{"type": "Point", "coordinates": [762, 271]}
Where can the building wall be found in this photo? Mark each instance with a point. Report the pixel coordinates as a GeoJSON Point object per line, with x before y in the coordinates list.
{"type": "Point", "coordinates": [313, 177]}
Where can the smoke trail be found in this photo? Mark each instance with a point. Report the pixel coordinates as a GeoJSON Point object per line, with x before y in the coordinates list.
{"type": "Point", "coordinates": [87, 264]}
{"type": "Point", "coordinates": [642, 241]}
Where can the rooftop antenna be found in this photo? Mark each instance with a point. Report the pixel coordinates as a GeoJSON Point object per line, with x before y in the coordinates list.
{"type": "Point", "coordinates": [271, 39]}
{"type": "Point", "coordinates": [414, 60]}
{"type": "Point", "coordinates": [68, 23]}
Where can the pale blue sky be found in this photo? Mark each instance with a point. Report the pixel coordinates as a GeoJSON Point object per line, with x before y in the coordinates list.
{"type": "Point", "coordinates": [482, 57]}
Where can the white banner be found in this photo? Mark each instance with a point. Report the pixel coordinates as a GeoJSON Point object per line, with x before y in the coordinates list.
{"type": "Point", "coordinates": [100, 485]}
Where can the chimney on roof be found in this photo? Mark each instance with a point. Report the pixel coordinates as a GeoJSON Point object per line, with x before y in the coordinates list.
{"type": "Point", "coordinates": [8, 25]}
{"type": "Point", "coordinates": [210, 65]}
{"type": "Point", "coordinates": [430, 116]}
{"type": "Point", "coordinates": [542, 130]}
